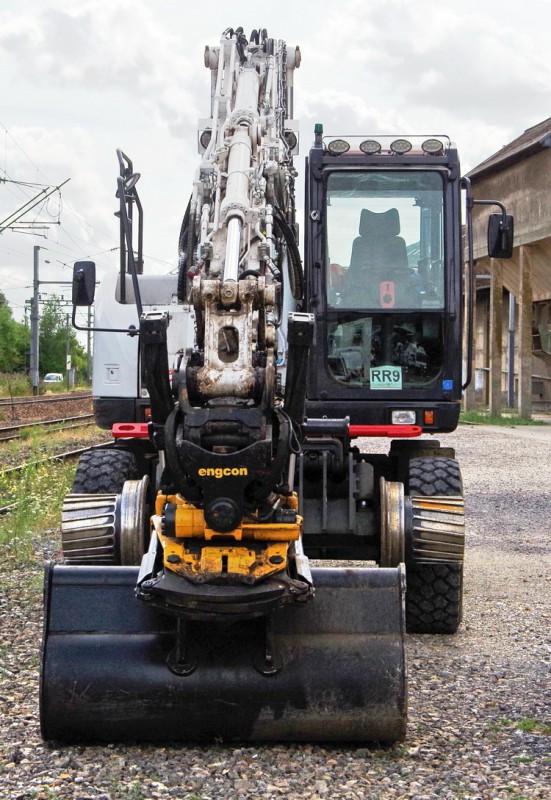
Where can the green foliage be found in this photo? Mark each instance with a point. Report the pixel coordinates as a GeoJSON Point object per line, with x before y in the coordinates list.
{"type": "Point", "coordinates": [14, 337]}
{"type": "Point", "coordinates": [55, 327]}
{"type": "Point", "coordinates": [15, 384]}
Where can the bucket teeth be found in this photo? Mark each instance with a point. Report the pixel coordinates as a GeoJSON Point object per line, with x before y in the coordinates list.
{"type": "Point", "coordinates": [88, 524]}
{"type": "Point", "coordinates": [438, 529]}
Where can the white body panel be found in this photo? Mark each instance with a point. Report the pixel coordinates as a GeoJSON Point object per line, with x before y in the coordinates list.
{"type": "Point", "coordinates": [116, 361]}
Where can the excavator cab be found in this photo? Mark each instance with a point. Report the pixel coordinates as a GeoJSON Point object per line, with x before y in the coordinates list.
{"type": "Point", "coordinates": [383, 247]}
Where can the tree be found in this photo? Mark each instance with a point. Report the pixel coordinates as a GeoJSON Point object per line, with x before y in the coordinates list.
{"type": "Point", "coordinates": [14, 338]}
{"type": "Point", "coordinates": [54, 330]}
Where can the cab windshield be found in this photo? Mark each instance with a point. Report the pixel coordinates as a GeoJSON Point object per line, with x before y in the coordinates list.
{"type": "Point", "coordinates": [385, 239]}
{"type": "Point", "coordinates": [385, 278]}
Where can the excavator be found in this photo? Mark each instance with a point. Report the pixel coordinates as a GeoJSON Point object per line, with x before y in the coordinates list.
{"type": "Point", "coordinates": [239, 563]}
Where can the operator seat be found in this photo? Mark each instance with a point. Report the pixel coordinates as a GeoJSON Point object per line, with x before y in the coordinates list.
{"type": "Point", "coordinates": [378, 254]}
{"type": "Point", "coordinates": [379, 248]}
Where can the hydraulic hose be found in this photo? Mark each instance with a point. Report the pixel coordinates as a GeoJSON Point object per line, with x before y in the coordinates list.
{"type": "Point", "coordinates": [183, 263]}
{"type": "Point", "coordinates": [296, 273]}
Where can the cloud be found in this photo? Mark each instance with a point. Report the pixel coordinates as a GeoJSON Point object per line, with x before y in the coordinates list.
{"type": "Point", "coordinates": [99, 46]}
{"type": "Point", "coordinates": [344, 112]}
{"type": "Point", "coordinates": [84, 78]}
{"type": "Point", "coordinates": [481, 62]}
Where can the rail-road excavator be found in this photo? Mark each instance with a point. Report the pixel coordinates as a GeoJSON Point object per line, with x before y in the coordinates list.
{"type": "Point", "coordinates": [239, 564]}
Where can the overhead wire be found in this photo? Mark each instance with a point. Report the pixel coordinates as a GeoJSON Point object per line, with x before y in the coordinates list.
{"type": "Point", "coordinates": [27, 156]}
{"type": "Point", "coordinates": [65, 204]}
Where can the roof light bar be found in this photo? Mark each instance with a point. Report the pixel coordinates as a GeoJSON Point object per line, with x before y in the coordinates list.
{"type": "Point", "coordinates": [383, 144]}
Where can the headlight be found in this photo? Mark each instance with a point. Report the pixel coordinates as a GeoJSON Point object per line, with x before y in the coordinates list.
{"type": "Point", "coordinates": [338, 147]}
{"type": "Point", "coordinates": [403, 417]}
{"type": "Point", "coordinates": [291, 138]}
{"type": "Point", "coordinates": [432, 146]}
{"type": "Point", "coordinates": [205, 137]}
{"type": "Point", "coordinates": [400, 146]}
{"type": "Point", "coordinates": [370, 147]}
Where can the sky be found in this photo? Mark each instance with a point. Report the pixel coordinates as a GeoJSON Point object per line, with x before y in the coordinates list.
{"type": "Point", "coordinates": [80, 78]}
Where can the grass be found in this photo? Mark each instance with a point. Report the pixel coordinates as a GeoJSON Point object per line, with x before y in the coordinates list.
{"type": "Point", "coordinates": [525, 724]}
{"type": "Point", "coordinates": [31, 434]}
{"type": "Point", "coordinates": [15, 384]}
{"type": "Point", "coordinates": [38, 492]}
{"type": "Point", "coordinates": [128, 791]}
{"type": "Point", "coordinates": [488, 419]}
{"type": "Point", "coordinates": [530, 725]}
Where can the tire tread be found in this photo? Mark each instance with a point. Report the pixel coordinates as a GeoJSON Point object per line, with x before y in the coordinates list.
{"type": "Point", "coordinates": [434, 591]}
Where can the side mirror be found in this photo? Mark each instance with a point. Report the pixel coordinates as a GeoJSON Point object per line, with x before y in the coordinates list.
{"type": "Point", "coordinates": [500, 235]}
{"type": "Point", "coordinates": [84, 283]}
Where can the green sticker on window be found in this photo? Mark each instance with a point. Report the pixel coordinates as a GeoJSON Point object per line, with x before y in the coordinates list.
{"type": "Point", "coordinates": [385, 377]}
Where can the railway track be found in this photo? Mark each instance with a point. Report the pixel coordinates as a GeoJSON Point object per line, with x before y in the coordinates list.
{"type": "Point", "coordinates": [22, 410]}
{"type": "Point", "coordinates": [57, 398]}
{"type": "Point", "coordinates": [12, 432]}
{"type": "Point", "coordinates": [52, 414]}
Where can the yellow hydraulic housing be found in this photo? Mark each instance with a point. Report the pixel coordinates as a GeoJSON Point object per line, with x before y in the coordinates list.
{"type": "Point", "coordinates": [247, 554]}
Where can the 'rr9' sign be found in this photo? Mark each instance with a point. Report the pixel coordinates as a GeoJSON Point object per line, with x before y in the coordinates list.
{"type": "Point", "coordinates": [385, 377]}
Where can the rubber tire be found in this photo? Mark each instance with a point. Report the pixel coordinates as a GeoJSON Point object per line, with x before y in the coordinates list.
{"type": "Point", "coordinates": [434, 592]}
{"type": "Point", "coordinates": [104, 471]}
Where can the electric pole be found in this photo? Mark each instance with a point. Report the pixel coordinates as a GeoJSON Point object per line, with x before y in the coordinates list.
{"type": "Point", "coordinates": [35, 325]}
{"type": "Point", "coordinates": [68, 350]}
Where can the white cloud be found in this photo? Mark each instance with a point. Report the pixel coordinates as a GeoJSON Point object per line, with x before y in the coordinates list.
{"type": "Point", "coordinates": [84, 78]}
{"type": "Point", "coordinates": [482, 62]}
{"type": "Point", "coordinates": [119, 48]}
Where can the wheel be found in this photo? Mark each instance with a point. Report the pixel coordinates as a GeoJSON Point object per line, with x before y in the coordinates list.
{"type": "Point", "coordinates": [101, 471]}
{"type": "Point", "coordinates": [434, 569]}
{"type": "Point", "coordinates": [104, 519]}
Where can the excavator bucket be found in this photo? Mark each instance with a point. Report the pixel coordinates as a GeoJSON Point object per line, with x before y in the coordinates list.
{"type": "Point", "coordinates": [333, 669]}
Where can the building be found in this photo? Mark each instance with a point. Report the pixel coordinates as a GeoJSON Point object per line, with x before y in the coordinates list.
{"type": "Point", "coordinates": [512, 326]}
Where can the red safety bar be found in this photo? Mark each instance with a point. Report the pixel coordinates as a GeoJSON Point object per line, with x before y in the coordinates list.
{"type": "Point", "coordinates": [140, 430]}
{"type": "Point", "coordinates": [394, 431]}
{"type": "Point", "coordinates": [130, 430]}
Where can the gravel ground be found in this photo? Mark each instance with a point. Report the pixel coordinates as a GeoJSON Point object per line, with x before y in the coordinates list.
{"type": "Point", "coordinates": [479, 721]}
{"type": "Point", "coordinates": [21, 451]}
{"type": "Point", "coordinates": [78, 402]}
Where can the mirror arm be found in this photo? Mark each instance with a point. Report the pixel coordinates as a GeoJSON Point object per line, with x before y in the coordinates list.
{"type": "Point", "coordinates": [470, 204]}
{"type": "Point", "coordinates": [131, 330]}
{"type": "Point", "coordinates": [489, 203]}
{"type": "Point", "coordinates": [466, 183]}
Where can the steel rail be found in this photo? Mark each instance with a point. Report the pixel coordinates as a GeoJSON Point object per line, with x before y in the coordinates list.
{"type": "Point", "coordinates": [12, 432]}
{"type": "Point", "coordinates": [28, 401]}
{"type": "Point", "coordinates": [69, 454]}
